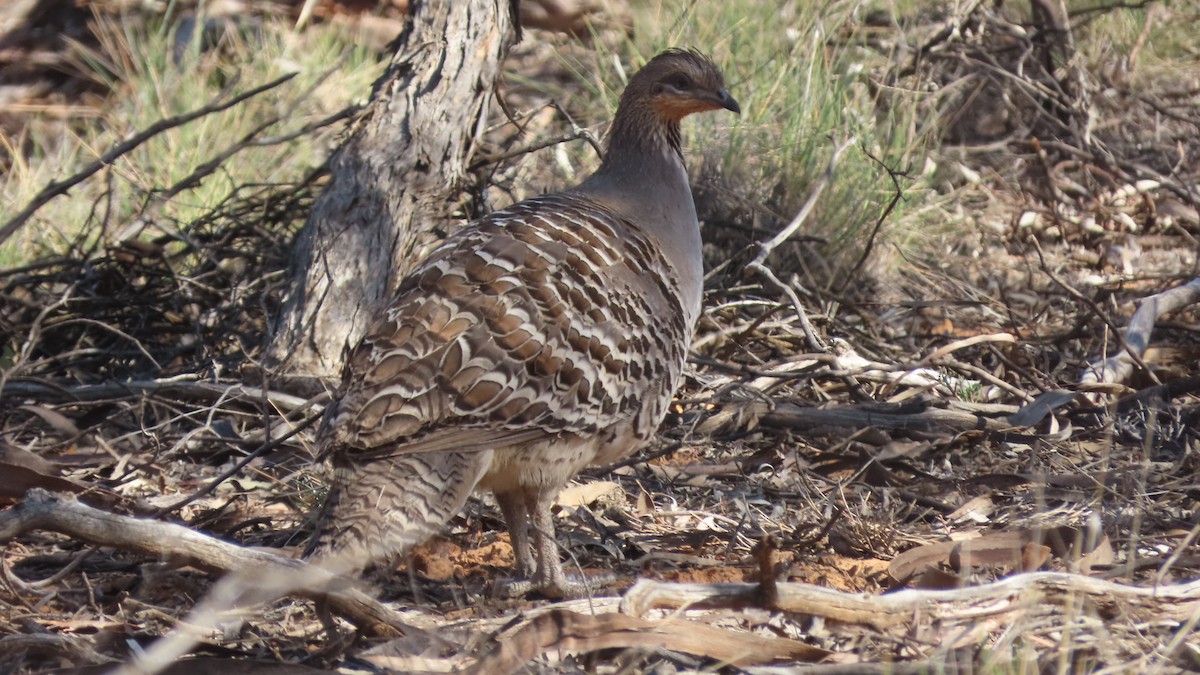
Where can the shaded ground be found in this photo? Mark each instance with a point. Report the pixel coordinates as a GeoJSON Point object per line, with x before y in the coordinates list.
{"type": "Point", "coordinates": [1060, 242]}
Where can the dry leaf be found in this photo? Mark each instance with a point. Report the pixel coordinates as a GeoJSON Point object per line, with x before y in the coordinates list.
{"type": "Point", "coordinates": [908, 564]}
{"type": "Point", "coordinates": [55, 419]}
{"type": "Point", "coordinates": [21, 470]}
{"type": "Point", "coordinates": [1101, 556]}
{"type": "Point", "coordinates": [645, 505]}
{"type": "Point", "coordinates": [975, 510]}
{"type": "Point", "coordinates": [1027, 550]}
{"type": "Point", "coordinates": [1037, 409]}
{"type": "Point", "coordinates": [1033, 556]}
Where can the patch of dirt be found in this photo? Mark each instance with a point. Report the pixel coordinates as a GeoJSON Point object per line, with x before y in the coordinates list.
{"type": "Point", "coordinates": [853, 575]}
{"type": "Point", "coordinates": [444, 560]}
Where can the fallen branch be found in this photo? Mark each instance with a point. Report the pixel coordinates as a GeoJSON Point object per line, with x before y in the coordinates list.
{"type": "Point", "coordinates": [565, 630]}
{"type": "Point", "coordinates": [1119, 367]}
{"type": "Point", "coordinates": [43, 510]}
{"type": "Point", "coordinates": [920, 416]}
{"type": "Point", "coordinates": [261, 576]}
{"type": "Point", "coordinates": [43, 390]}
{"type": "Point", "coordinates": [1043, 592]}
{"type": "Point", "coordinates": [897, 195]}
{"type": "Point", "coordinates": [74, 649]}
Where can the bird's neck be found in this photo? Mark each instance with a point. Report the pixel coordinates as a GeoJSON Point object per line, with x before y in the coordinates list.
{"type": "Point", "coordinates": [638, 132]}
{"type": "Point", "coordinates": [642, 172]}
{"type": "Point", "coordinates": [643, 178]}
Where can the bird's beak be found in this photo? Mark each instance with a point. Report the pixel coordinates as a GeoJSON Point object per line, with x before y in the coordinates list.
{"type": "Point", "coordinates": [727, 102]}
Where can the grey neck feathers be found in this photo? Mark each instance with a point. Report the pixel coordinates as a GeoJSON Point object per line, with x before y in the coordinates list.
{"type": "Point", "coordinates": [643, 178]}
{"type": "Point", "coordinates": [642, 174]}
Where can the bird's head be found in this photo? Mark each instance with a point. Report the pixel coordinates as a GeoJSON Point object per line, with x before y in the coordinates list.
{"type": "Point", "coordinates": [677, 83]}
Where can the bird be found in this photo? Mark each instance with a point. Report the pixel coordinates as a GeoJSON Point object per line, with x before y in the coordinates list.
{"type": "Point", "coordinates": [543, 338]}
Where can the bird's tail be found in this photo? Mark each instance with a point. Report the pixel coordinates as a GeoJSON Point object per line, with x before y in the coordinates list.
{"type": "Point", "coordinates": [382, 508]}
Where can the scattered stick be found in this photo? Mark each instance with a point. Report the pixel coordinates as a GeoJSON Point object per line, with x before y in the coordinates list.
{"type": "Point", "coordinates": [897, 195]}
{"type": "Point", "coordinates": [42, 510]}
{"type": "Point", "coordinates": [260, 576]}
{"type": "Point", "coordinates": [1134, 355]}
{"type": "Point", "coordinates": [574, 135]}
{"type": "Point", "coordinates": [765, 249]}
{"type": "Point", "coordinates": [61, 187]}
{"type": "Point", "coordinates": [76, 649]}
{"type": "Point", "coordinates": [921, 416]}
{"type": "Point", "coordinates": [150, 210]}
{"type": "Point", "coordinates": [1116, 369]}
{"type": "Point", "coordinates": [44, 390]}
{"type": "Point", "coordinates": [968, 342]}
{"type": "Point", "coordinates": [565, 630]}
{"type": "Point", "coordinates": [810, 335]}
{"type": "Point", "coordinates": [984, 375]}
{"type": "Point", "coordinates": [237, 467]}
{"type": "Point", "coordinates": [1040, 592]}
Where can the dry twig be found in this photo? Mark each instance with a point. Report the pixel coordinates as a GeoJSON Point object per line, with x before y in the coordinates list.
{"type": "Point", "coordinates": [60, 187]}
{"type": "Point", "coordinates": [259, 570]}
{"type": "Point", "coordinates": [1117, 368]}
{"type": "Point", "coordinates": [1045, 592]}
{"type": "Point", "coordinates": [758, 266]}
{"type": "Point", "coordinates": [565, 630]}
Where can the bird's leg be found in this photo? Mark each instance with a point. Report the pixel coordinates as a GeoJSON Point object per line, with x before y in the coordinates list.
{"type": "Point", "coordinates": [550, 579]}
{"type": "Point", "coordinates": [546, 576]}
{"type": "Point", "coordinates": [512, 505]}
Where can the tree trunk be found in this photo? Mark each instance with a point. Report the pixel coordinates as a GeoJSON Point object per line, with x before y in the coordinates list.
{"type": "Point", "coordinates": [393, 181]}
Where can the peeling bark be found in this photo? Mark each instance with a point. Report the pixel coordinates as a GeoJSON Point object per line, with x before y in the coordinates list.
{"type": "Point", "coordinates": [393, 181]}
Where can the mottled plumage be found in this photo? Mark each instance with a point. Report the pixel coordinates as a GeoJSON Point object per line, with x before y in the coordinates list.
{"type": "Point", "coordinates": [548, 336]}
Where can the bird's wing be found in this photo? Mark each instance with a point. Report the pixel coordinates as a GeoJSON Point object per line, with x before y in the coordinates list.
{"type": "Point", "coordinates": [540, 320]}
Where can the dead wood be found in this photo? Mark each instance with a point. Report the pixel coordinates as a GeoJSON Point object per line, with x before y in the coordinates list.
{"type": "Point", "coordinates": [395, 181]}
{"type": "Point", "coordinates": [1118, 368]}
{"type": "Point", "coordinates": [42, 510]}
{"type": "Point", "coordinates": [209, 665]}
{"type": "Point", "coordinates": [1044, 592]}
{"type": "Point", "coordinates": [923, 416]}
{"type": "Point", "coordinates": [565, 630]}
{"type": "Point", "coordinates": [77, 648]}
{"type": "Point", "coordinates": [187, 388]}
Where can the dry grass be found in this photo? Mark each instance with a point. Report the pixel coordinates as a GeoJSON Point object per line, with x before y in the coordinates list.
{"type": "Point", "coordinates": [157, 71]}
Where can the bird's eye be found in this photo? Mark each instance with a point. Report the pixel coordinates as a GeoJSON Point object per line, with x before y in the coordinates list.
{"type": "Point", "coordinates": [681, 82]}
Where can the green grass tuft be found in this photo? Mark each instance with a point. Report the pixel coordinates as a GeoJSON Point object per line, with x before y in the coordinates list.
{"type": "Point", "coordinates": [803, 85]}
{"type": "Point", "coordinates": [156, 72]}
